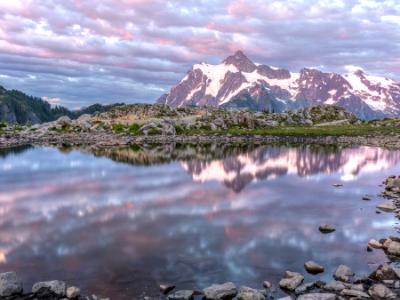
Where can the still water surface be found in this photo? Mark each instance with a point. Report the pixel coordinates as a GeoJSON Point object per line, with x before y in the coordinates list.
{"type": "Point", "coordinates": [117, 222]}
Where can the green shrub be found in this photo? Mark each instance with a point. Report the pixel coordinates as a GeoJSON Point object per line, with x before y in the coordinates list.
{"type": "Point", "coordinates": [179, 129]}
{"type": "Point", "coordinates": [134, 128]}
{"type": "Point", "coordinates": [118, 128]}
{"type": "Point", "coordinates": [154, 131]}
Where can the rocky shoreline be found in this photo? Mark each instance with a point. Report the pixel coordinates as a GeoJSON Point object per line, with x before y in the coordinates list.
{"type": "Point", "coordinates": [98, 140]}
{"type": "Point", "coordinates": [383, 283]}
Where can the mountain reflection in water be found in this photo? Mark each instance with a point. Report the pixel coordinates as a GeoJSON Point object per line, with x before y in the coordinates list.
{"type": "Point", "coordinates": [162, 214]}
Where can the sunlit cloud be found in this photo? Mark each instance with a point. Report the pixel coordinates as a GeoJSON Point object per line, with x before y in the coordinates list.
{"type": "Point", "coordinates": [131, 50]}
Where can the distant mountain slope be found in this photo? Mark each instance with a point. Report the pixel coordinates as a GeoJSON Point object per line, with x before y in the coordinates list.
{"type": "Point", "coordinates": [238, 82]}
{"type": "Point", "coordinates": [17, 107]}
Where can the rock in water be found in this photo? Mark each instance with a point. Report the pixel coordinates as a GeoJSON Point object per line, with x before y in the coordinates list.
{"type": "Point", "coordinates": [354, 293]}
{"type": "Point", "coordinates": [166, 288]}
{"type": "Point", "coordinates": [246, 293]}
{"type": "Point", "coordinates": [374, 244]}
{"type": "Point", "coordinates": [386, 207]}
{"type": "Point", "coordinates": [267, 284]}
{"type": "Point", "coordinates": [343, 273]}
{"type": "Point", "coordinates": [181, 295]}
{"type": "Point", "coordinates": [380, 291]}
{"type": "Point", "coordinates": [326, 228]}
{"type": "Point", "coordinates": [291, 280]}
{"type": "Point", "coordinates": [313, 268]}
{"type": "Point", "coordinates": [220, 291]}
{"type": "Point", "coordinates": [9, 284]}
{"type": "Point", "coordinates": [56, 286]}
{"type": "Point", "coordinates": [394, 248]}
{"type": "Point", "coordinates": [317, 296]}
{"type": "Point", "coordinates": [73, 292]}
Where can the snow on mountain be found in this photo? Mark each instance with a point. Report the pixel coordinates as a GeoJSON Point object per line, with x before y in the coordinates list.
{"type": "Point", "coordinates": [240, 83]}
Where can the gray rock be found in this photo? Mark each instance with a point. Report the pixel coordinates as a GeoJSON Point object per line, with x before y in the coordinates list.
{"type": "Point", "coordinates": [343, 273]}
{"type": "Point", "coordinates": [394, 248]}
{"type": "Point", "coordinates": [291, 280]}
{"type": "Point", "coordinates": [386, 272]}
{"type": "Point", "coordinates": [246, 293]}
{"type": "Point", "coordinates": [267, 284]}
{"type": "Point", "coordinates": [374, 244]}
{"type": "Point", "coordinates": [56, 286]}
{"type": "Point", "coordinates": [354, 293]}
{"type": "Point", "coordinates": [73, 292]}
{"type": "Point", "coordinates": [334, 286]}
{"type": "Point", "coordinates": [380, 291]}
{"type": "Point", "coordinates": [9, 284]}
{"type": "Point", "coordinates": [317, 296]}
{"type": "Point", "coordinates": [301, 289]}
{"type": "Point", "coordinates": [181, 295]}
{"type": "Point", "coordinates": [220, 291]}
{"type": "Point", "coordinates": [326, 228]}
{"type": "Point", "coordinates": [63, 121]}
{"type": "Point", "coordinates": [386, 207]}
{"type": "Point", "coordinates": [313, 268]}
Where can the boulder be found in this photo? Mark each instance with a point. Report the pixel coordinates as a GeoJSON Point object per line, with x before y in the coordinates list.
{"type": "Point", "coordinates": [55, 286]}
{"type": "Point", "coordinates": [220, 291]}
{"type": "Point", "coordinates": [394, 248]}
{"type": "Point", "coordinates": [313, 268]}
{"type": "Point", "coordinates": [246, 293]}
{"type": "Point", "coordinates": [380, 291]}
{"type": "Point", "coordinates": [385, 272]}
{"type": "Point", "coordinates": [343, 273]}
{"type": "Point", "coordinates": [64, 121]}
{"type": "Point", "coordinates": [291, 280]}
{"type": "Point", "coordinates": [9, 284]}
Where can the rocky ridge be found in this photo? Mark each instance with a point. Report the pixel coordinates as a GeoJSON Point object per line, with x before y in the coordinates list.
{"type": "Point", "coordinates": [238, 82]}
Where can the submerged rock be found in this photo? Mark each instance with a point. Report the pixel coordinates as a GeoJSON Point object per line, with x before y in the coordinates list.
{"type": "Point", "coordinates": [9, 284]}
{"type": "Point", "coordinates": [220, 291]}
{"type": "Point", "coordinates": [291, 280]}
{"type": "Point", "coordinates": [354, 293]}
{"type": "Point", "coordinates": [334, 286]}
{"type": "Point", "coordinates": [313, 268]}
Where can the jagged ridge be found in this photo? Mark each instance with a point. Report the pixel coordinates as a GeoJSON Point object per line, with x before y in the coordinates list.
{"type": "Point", "coordinates": [238, 82]}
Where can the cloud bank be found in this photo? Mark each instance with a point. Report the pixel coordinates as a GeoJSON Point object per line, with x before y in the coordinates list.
{"type": "Point", "coordinates": [83, 51]}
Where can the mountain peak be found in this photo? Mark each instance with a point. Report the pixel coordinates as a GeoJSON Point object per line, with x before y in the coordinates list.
{"type": "Point", "coordinates": [240, 61]}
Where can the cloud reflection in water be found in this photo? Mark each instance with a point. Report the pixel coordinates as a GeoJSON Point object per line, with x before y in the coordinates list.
{"type": "Point", "coordinates": [163, 214]}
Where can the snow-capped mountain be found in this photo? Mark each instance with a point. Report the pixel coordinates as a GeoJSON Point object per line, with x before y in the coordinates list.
{"type": "Point", "coordinates": [240, 83]}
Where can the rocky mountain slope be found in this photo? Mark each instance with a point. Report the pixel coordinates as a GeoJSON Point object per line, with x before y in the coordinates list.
{"type": "Point", "coordinates": [238, 82]}
{"type": "Point", "coordinates": [17, 107]}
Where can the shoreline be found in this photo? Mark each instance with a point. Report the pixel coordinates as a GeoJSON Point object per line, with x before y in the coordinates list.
{"type": "Point", "coordinates": [110, 139]}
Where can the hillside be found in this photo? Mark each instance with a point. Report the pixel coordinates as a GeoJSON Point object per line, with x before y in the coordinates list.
{"type": "Point", "coordinates": [17, 107]}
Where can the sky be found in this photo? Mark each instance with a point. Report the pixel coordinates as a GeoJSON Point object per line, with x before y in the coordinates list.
{"type": "Point", "coordinates": [78, 52]}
